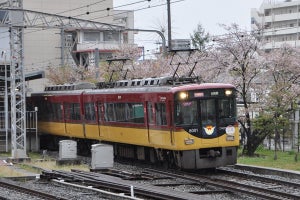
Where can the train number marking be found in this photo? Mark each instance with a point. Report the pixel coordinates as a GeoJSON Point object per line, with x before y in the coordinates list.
{"type": "Point", "coordinates": [193, 130]}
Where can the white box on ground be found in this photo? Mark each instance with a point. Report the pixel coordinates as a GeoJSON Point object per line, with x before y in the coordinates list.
{"type": "Point", "coordinates": [67, 149]}
{"type": "Point", "coordinates": [102, 156]}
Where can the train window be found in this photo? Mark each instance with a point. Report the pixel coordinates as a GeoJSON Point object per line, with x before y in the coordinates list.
{"type": "Point", "coordinates": [56, 111]}
{"type": "Point", "coordinates": [45, 109]}
{"type": "Point", "coordinates": [186, 113]}
{"type": "Point", "coordinates": [124, 112]}
{"type": "Point", "coordinates": [150, 113]}
{"type": "Point", "coordinates": [109, 112]}
{"type": "Point", "coordinates": [138, 112]}
{"type": "Point", "coordinates": [89, 112]}
{"type": "Point", "coordinates": [100, 111]}
{"type": "Point", "coordinates": [120, 109]}
{"type": "Point", "coordinates": [160, 111]}
{"type": "Point", "coordinates": [72, 111]}
{"type": "Point", "coordinates": [208, 112]}
{"type": "Point", "coordinates": [227, 111]}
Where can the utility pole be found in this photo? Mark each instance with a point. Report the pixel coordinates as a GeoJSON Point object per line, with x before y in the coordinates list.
{"type": "Point", "coordinates": [17, 83]}
{"type": "Point", "coordinates": [169, 26]}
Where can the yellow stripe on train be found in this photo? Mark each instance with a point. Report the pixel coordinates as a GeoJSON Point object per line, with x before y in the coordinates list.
{"type": "Point", "coordinates": [179, 140]}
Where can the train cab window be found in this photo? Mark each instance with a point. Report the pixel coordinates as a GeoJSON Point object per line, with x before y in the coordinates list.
{"type": "Point", "coordinates": [186, 113]}
{"type": "Point", "coordinates": [226, 110]}
{"type": "Point", "coordinates": [208, 112]}
{"type": "Point", "coordinates": [89, 112]}
{"type": "Point", "coordinates": [150, 113]}
{"type": "Point", "coordinates": [160, 114]}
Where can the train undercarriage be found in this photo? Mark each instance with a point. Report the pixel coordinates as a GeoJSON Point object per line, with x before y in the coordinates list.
{"type": "Point", "coordinates": [189, 159]}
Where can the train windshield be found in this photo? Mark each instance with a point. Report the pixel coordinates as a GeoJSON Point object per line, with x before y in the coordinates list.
{"type": "Point", "coordinates": [221, 111]}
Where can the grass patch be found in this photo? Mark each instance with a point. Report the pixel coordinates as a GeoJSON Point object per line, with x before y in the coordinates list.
{"type": "Point", "coordinates": [51, 165]}
{"type": "Point", "coordinates": [7, 171]}
{"type": "Point", "coordinates": [265, 158]}
{"type": "Point", "coordinates": [36, 164]}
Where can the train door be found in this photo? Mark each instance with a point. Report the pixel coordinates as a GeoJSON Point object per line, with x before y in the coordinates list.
{"type": "Point", "coordinates": [159, 132]}
{"type": "Point", "coordinates": [150, 118]}
{"type": "Point", "coordinates": [65, 115]}
{"type": "Point", "coordinates": [73, 121]}
{"type": "Point", "coordinates": [90, 124]}
{"type": "Point", "coordinates": [170, 115]}
{"type": "Point", "coordinates": [99, 109]}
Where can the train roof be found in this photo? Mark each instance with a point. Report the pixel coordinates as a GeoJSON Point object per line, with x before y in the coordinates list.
{"type": "Point", "coordinates": [160, 85]}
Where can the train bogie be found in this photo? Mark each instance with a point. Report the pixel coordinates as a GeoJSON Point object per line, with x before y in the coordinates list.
{"type": "Point", "coordinates": [206, 158]}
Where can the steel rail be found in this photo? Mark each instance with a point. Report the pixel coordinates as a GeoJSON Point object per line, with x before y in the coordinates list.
{"type": "Point", "coordinates": [29, 191]}
{"type": "Point", "coordinates": [231, 186]}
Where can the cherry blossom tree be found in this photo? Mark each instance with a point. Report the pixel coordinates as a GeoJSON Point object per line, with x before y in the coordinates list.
{"type": "Point", "coordinates": [237, 57]}
{"type": "Point", "coordinates": [283, 68]}
{"type": "Point", "coordinates": [67, 74]}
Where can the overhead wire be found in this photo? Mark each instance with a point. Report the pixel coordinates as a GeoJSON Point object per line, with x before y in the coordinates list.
{"type": "Point", "coordinates": [104, 10]}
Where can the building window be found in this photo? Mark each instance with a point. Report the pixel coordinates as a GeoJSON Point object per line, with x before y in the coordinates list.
{"type": "Point", "coordinates": [91, 36]}
{"type": "Point", "coordinates": [111, 36]}
{"type": "Point", "coordinates": [3, 15]}
{"type": "Point", "coordinates": [125, 38]}
{"type": "Point", "coordinates": [267, 12]}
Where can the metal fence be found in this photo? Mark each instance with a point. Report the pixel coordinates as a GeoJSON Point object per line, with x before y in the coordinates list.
{"type": "Point", "coordinates": [5, 128]}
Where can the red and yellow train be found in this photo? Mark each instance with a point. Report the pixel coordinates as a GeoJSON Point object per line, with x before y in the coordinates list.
{"type": "Point", "coordinates": [191, 126]}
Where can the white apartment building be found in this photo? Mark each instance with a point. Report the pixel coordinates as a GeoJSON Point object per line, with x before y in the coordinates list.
{"type": "Point", "coordinates": [278, 22]}
{"type": "Point", "coordinates": [44, 47]}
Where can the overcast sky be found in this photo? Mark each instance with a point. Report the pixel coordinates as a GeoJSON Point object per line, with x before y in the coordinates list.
{"type": "Point", "coordinates": [186, 14]}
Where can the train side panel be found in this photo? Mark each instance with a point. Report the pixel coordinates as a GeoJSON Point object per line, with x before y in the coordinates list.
{"type": "Point", "coordinates": [137, 136]}
{"type": "Point", "coordinates": [55, 128]}
{"type": "Point", "coordinates": [92, 131]}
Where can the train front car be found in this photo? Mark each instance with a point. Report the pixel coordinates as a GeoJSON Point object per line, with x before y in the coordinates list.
{"type": "Point", "coordinates": [205, 122]}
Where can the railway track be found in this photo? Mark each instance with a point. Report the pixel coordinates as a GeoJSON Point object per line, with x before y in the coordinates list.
{"type": "Point", "coordinates": [220, 182]}
{"type": "Point", "coordinates": [118, 185]}
{"type": "Point", "coordinates": [267, 188]}
{"type": "Point", "coordinates": [30, 193]}
{"type": "Point", "coordinates": [139, 181]}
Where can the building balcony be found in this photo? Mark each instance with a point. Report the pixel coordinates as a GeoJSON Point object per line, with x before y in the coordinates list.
{"type": "Point", "coordinates": [272, 44]}
{"type": "Point", "coordinates": [100, 45]}
{"type": "Point", "coordinates": [283, 17]}
{"type": "Point", "coordinates": [281, 31]}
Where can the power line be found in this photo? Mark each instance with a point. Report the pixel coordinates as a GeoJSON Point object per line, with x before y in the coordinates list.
{"type": "Point", "coordinates": [103, 10]}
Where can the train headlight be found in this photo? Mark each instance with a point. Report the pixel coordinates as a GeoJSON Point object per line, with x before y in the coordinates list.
{"type": "Point", "coordinates": [183, 95]}
{"type": "Point", "coordinates": [228, 92]}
